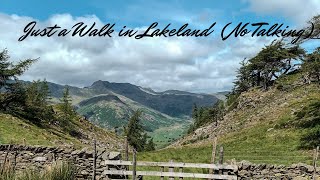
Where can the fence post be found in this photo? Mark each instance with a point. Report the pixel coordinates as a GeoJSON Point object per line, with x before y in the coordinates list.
{"type": "Point", "coordinates": [315, 158]}
{"type": "Point", "coordinates": [181, 171]}
{"type": "Point", "coordinates": [162, 170]}
{"type": "Point", "coordinates": [134, 164]}
{"type": "Point", "coordinates": [94, 159]}
{"type": "Point", "coordinates": [107, 167]}
{"type": "Point", "coordinates": [214, 147]}
{"type": "Point", "coordinates": [221, 159]}
{"type": "Point", "coordinates": [171, 170]}
{"type": "Point", "coordinates": [221, 155]}
{"type": "Point", "coordinates": [126, 148]}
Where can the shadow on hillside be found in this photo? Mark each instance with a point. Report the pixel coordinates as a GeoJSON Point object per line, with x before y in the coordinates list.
{"type": "Point", "coordinates": [309, 119]}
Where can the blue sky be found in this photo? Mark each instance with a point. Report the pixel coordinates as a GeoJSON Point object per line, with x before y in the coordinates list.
{"type": "Point", "coordinates": [192, 64]}
{"type": "Point", "coordinates": [143, 12]}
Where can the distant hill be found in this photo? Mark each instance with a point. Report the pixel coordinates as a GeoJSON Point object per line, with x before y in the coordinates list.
{"type": "Point", "coordinates": [173, 103]}
{"type": "Point", "coordinates": [110, 105]}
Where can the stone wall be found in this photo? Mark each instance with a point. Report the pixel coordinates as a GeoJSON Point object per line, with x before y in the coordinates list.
{"type": "Point", "coordinates": [300, 171]}
{"type": "Point", "coordinates": [22, 157]}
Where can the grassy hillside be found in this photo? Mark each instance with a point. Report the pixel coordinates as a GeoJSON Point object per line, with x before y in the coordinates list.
{"type": "Point", "coordinates": [19, 131]}
{"type": "Point", "coordinates": [264, 127]}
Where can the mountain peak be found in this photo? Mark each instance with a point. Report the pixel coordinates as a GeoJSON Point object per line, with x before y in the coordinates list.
{"type": "Point", "coordinates": [99, 82]}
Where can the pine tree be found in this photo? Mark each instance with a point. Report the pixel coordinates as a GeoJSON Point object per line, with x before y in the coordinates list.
{"type": "Point", "coordinates": [37, 106]}
{"type": "Point", "coordinates": [12, 95]}
{"type": "Point", "coordinates": [195, 112]}
{"type": "Point", "coordinates": [66, 106]}
{"type": "Point", "coordinates": [9, 72]}
{"type": "Point", "coordinates": [135, 133]}
{"type": "Point", "coordinates": [150, 146]}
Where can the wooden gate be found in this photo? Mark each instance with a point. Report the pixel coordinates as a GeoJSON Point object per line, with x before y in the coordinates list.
{"type": "Point", "coordinates": [224, 171]}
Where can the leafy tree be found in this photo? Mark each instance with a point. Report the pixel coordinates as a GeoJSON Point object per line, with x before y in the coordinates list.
{"type": "Point", "coordinates": [313, 29]}
{"type": "Point", "coordinates": [311, 66]}
{"type": "Point", "coordinates": [270, 63]}
{"type": "Point", "coordinates": [273, 61]}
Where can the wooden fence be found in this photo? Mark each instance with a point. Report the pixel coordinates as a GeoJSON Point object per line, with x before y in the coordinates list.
{"type": "Point", "coordinates": [171, 165]}
{"type": "Point", "coordinates": [216, 171]}
{"type": "Point", "coordinates": [223, 171]}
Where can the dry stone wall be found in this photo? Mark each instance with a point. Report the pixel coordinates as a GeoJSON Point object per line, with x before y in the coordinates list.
{"type": "Point", "coordinates": [22, 157]}
{"type": "Point", "coordinates": [300, 171]}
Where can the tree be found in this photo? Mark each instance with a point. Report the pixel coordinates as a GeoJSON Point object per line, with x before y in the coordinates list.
{"type": "Point", "coordinates": [313, 30]}
{"type": "Point", "coordinates": [65, 104]}
{"type": "Point", "coordinates": [273, 61]}
{"type": "Point", "coordinates": [195, 112]}
{"type": "Point", "coordinates": [9, 72]}
{"type": "Point", "coordinates": [36, 102]}
{"type": "Point", "coordinates": [243, 81]}
{"type": "Point", "coordinates": [269, 64]}
{"type": "Point", "coordinates": [150, 146]}
{"type": "Point", "coordinates": [135, 133]}
{"type": "Point", "coordinates": [311, 66]}
{"type": "Point", "coordinates": [66, 108]}
{"type": "Point", "coordinates": [12, 94]}
{"type": "Point", "coordinates": [207, 115]}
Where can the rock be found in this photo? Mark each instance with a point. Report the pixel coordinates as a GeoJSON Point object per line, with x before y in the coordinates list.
{"type": "Point", "coordinates": [40, 159]}
{"type": "Point", "coordinates": [84, 149]}
{"type": "Point", "coordinates": [270, 129]}
{"type": "Point", "coordinates": [300, 178]}
{"type": "Point", "coordinates": [114, 155]}
{"type": "Point", "coordinates": [265, 172]}
{"type": "Point", "coordinates": [66, 151]}
{"type": "Point", "coordinates": [293, 166]}
{"type": "Point", "coordinates": [84, 172]}
{"type": "Point", "coordinates": [105, 156]}
{"type": "Point", "coordinates": [75, 152]}
{"type": "Point", "coordinates": [310, 169]}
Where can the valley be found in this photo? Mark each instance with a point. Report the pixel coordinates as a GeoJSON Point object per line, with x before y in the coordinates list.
{"type": "Point", "coordinates": [166, 116]}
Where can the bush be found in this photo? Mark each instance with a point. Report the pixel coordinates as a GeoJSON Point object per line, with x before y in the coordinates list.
{"type": "Point", "coordinates": [58, 171]}
{"type": "Point", "coordinates": [61, 171]}
{"type": "Point", "coordinates": [6, 172]}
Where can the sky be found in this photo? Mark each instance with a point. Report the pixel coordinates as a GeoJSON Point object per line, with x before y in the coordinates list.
{"type": "Point", "coordinates": [204, 65]}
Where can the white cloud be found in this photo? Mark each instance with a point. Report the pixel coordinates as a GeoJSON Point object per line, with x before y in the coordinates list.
{"type": "Point", "coordinates": [297, 10]}
{"type": "Point", "coordinates": [193, 64]}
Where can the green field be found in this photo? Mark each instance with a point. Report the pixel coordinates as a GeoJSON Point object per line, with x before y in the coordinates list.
{"type": "Point", "coordinates": [166, 135]}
